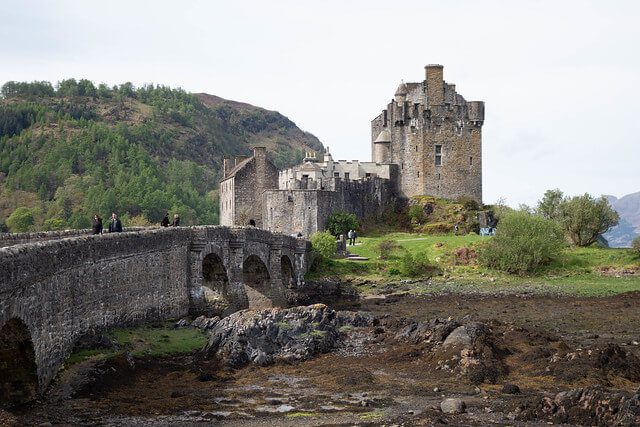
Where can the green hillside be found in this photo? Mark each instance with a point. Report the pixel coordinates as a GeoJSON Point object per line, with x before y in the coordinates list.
{"type": "Point", "coordinates": [70, 151]}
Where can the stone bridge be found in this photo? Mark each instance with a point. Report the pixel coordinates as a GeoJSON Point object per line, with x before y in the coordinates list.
{"type": "Point", "coordinates": [53, 291]}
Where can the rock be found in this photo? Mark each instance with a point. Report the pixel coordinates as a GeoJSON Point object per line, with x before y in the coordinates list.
{"type": "Point", "coordinates": [464, 336]}
{"type": "Point", "coordinates": [182, 323]}
{"type": "Point", "coordinates": [292, 334]}
{"type": "Point", "coordinates": [511, 389]}
{"type": "Point", "coordinates": [436, 389]}
{"type": "Point", "coordinates": [453, 406]}
{"type": "Point", "coordinates": [589, 406]}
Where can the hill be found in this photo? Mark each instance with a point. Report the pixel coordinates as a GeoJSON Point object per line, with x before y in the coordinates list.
{"type": "Point", "coordinates": [77, 149]}
{"type": "Point", "coordinates": [628, 207]}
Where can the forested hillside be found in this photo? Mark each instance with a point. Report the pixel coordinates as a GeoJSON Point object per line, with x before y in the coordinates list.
{"type": "Point", "coordinates": [74, 150]}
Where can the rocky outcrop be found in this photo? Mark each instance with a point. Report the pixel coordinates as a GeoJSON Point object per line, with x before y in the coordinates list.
{"type": "Point", "coordinates": [589, 406]}
{"type": "Point", "coordinates": [287, 334]}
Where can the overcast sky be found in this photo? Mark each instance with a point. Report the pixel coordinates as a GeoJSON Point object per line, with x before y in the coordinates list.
{"type": "Point", "coordinates": [560, 79]}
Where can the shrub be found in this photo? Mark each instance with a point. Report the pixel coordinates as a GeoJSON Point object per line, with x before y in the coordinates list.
{"type": "Point", "coordinates": [20, 220]}
{"type": "Point", "coordinates": [3, 227]}
{"type": "Point", "coordinates": [522, 243]}
{"type": "Point", "coordinates": [323, 244]}
{"type": "Point", "coordinates": [52, 224]}
{"type": "Point", "coordinates": [415, 265]}
{"type": "Point", "coordinates": [340, 222]}
{"type": "Point", "coordinates": [468, 203]}
{"type": "Point", "coordinates": [635, 246]}
{"type": "Point", "coordinates": [437, 228]}
{"type": "Point", "coordinates": [585, 218]}
{"type": "Point", "coordinates": [416, 214]}
{"type": "Point", "coordinates": [387, 247]}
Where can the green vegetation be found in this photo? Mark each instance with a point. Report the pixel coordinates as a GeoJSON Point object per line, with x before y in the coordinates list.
{"type": "Point", "coordinates": [69, 152]}
{"type": "Point", "coordinates": [20, 220]}
{"type": "Point", "coordinates": [340, 222]}
{"type": "Point", "coordinates": [147, 340]}
{"type": "Point", "coordinates": [323, 244]}
{"type": "Point", "coordinates": [576, 270]}
{"type": "Point", "coordinates": [585, 218]}
{"type": "Point", "coordinates": [635, 246]}
{"type": "Point", "coordinates": [387, 248]}
{"type": "Point", "coordinates": [522, 244]}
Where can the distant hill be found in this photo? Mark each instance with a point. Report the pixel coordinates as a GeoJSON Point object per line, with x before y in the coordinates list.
{"type": "Point", "coordinates": [628, 207]}
{"type": "Point", "coordinates": [78, 149]}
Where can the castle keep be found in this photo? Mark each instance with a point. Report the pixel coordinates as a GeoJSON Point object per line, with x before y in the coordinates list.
{"type": "Point", "coordinates": [428, 141]}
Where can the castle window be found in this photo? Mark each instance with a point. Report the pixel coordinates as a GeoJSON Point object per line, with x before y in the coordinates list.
{"type": "Point", "coordinates": [336, 174]}
{"type": "Point", "coordinates": [471, 161]}
{"type": "Point", "coordinates": [418, 174]}
{"type": "Point", "coordinates": [346, 175]}
{"type": "Point", "coordinates": [438, 177]}
{"type": "Point", "coordinates": [416, 148]}
{"type": "Point", "coordinates": [438, 155]}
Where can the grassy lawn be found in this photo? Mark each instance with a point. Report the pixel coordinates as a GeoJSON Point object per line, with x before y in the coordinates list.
{"type": "Point", "coordinates": [147, 340]}
{"type": "Point", "coordinates": [574, 272]}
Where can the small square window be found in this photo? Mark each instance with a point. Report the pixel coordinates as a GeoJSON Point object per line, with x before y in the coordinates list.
{"type": "Point", "coordinates": [346, 175]}
{"type": "Point", "coordinates": [438, 149]}
{"type": "Point", "coordinates": [336, 174]}
{"type": "Point", "coordinates": [438, 160]}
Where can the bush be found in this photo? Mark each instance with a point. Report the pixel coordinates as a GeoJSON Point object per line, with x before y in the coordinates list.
{"type": "Point", "coordinates": [468, 203]}
{"type": "Point", "coordinates": [20, 220]}
{"type": "Point", "coordinates": [340, 222]}
{"type": "Point", "coordinates": [3, 227]}
{"type": "Point", "coordinates": [53, 224]}
{"type": "Point", "coordinates": [416, 214]}
{"type": "Point", "coordinates": [387, 247]}
{"type": "Point", "coordinates": [522, 243]}
{"type": "Point", "coordinates": [635, 246]}
{"type": "Point", "coordinates": [415, 265]}
{"type": "Point", "coordinates": [323, 244]}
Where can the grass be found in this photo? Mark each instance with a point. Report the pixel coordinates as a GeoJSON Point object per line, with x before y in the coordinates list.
{"type": "Point", "coordinates": [146, 340]}
{"type": "Point", "coordinates": [573, 272]}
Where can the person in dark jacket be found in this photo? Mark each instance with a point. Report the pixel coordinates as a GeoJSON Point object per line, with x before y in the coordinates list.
{"type": "Point", "coordinates": [97, 224]}
{"type": "Point", "coordinates": [165, 220]}
{"type": "Point", "coordinates": [176, 221]}
{"type": "Point", "coordinates": [115, 226]}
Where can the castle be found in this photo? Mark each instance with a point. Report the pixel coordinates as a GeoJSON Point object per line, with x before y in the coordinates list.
{"type": "Point", "coordinates": [428, 141]}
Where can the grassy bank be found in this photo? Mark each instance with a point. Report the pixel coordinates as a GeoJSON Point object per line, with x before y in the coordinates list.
{"type": "Point", "coordinates": [146, 340]}
{"type": "Point", "coordinates": [577, 271]}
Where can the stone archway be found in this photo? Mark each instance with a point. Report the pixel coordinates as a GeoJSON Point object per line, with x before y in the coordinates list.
{"type": "Point", "coordinates": [286, 272]}
{"type": "Point", "coordinates": [215, 283]}
{"type": "Point", "coordinates": [18, 371]}
{"type": "Point", "coordinates": [257, 283]}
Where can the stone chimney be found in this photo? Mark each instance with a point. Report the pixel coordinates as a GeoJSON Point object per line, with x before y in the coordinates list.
{"type": "Point", "coordinates": [435, 84]}
{"type": "Point", "coordinates": [226, 161]}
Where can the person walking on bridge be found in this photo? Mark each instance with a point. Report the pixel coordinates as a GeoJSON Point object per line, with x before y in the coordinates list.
{"type": "Point", "coordinates": [115, 226]}
{"type": "Point", "coordinates": [97, 224]}
{"type": "Point", "coordinates": [176, 221]}
{"type": "Point", "coordinates": [165, 220]}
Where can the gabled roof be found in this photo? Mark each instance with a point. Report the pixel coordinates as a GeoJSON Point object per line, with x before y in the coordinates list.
{"type": "Point", "coordinates": [238, 167]}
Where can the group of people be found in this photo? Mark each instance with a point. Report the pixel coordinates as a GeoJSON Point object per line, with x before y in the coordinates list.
{"type": "Point", "coordinates": [165, 220]}
{"type": "Point", "coordinates": [115, 225]}
{"type": "Point", "coordinates": [351, 235]}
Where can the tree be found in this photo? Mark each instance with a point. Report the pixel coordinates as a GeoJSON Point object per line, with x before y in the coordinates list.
{"type": "Point", "coordinates": [340, 222]}
{"type": "Point", "coordinates": [522, 243]}
{"type": "Point", "coordinates": [585, 218]}
{"type": "Point", "coordinates": [20, 220]}
{"type": "Point", "coordinates": [549, 206]}
{"type": "Point", "coordinates": [635, 246]}
{"type": "Point", "coordinates": [323, 243]}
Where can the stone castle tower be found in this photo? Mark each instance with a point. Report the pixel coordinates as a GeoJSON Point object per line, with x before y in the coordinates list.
{"type": "Point", "coordinates": [435, 138]}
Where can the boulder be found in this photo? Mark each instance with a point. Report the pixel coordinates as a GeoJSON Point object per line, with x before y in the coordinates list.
{"type": "Point", "coordinates": [453, 406]}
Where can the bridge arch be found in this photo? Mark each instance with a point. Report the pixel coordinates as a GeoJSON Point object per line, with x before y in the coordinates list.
{"type": "Point", "coordinates": [287, 272]}
{"type": "Point", "coordinates": [215, 283]}
{"type": "Point", "coordinates": [257, 282]}
{"type": "Point", "coordinates": [18, 371]}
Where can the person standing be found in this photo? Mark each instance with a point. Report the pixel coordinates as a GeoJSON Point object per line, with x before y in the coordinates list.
{"type": "Point", "coordinates": [350, 237]}
{"type": "Point", "coordinates": [115, 226]}
{"type": "Point", "coordinates": [176, 221]}
{"type": "Point", "coordinates": [355, 236]}
{"type": "Point", "coordinates": [97, 224]}
{"type": "Point", "coordinates": [165, 220]}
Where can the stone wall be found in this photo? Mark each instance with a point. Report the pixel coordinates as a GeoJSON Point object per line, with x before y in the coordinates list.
{"type": "Point", "coordinates": [9, 239]}
{"type": "Point", "coordinates": [306, 211]}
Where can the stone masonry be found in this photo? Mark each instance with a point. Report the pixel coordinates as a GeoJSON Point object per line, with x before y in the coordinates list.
{"type": "Point", "coordinates": [54, 291]}
{"type": "Point", "coordinates": [428, 141]}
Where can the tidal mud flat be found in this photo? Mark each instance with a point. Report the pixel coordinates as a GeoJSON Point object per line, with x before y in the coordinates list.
{"type": "Point", "coordinates": [386, 359]}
